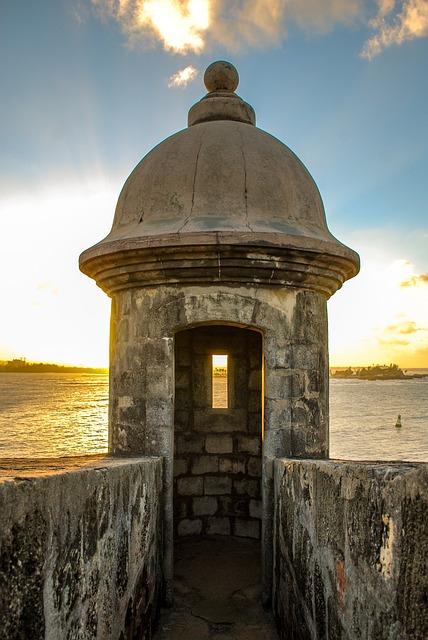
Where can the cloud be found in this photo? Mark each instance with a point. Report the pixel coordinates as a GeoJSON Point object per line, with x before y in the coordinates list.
{"type": "Point", "coordinates": [45, 294]}
{"type": "Point", "coordinates": [414, 281]}
{"type": "Point", "coordinates": [405, 327]}
{"type": "Point", "coordinates": [393, 342]}
{"type": "Point", "coordinates": [404, 333]}
{"type": "Point", "coordinates": [186, 25]}
{"type": "Point", "coordinates": [182, 77]}
{"type": "Point", "coordinates": [48, 287]}
{"type": "Point", "coordinates": [236, 25]}
{"type": "Point", "coordinates": [178, 24]}
{"type": "Point", "coordinates": [79, 11]}
{"type": "Point", "coordinates": [190, 26]}
{"type": "Point", "coordinates": [402, 272]}
{"type": "Point", "coordinates": [409, 23]}
{"type": "Point", "coordinates": [323, 15]}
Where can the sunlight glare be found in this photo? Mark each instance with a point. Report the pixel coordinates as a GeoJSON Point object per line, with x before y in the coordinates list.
{"type": "Point", "coordinates": [180, 27]}
{"type": "Point", "coordinates": [219, 382]}
{"type": "Point", "coordinates": [54, 312]}
{"type": "Point", "coordinates": [219, 361]}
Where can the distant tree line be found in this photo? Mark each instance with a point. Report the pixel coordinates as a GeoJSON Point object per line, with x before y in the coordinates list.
{"type": "Point", "coordinates": [375, 372]}
{"type": "Point", "coordinates": [21, 366]}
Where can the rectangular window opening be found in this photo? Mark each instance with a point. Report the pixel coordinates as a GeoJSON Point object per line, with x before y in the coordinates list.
{"type": "Point", "coordinates": [219, 382]}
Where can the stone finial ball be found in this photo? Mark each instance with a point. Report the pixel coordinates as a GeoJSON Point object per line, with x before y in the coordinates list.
{"type": "Point", "coordinates": [221, 76]}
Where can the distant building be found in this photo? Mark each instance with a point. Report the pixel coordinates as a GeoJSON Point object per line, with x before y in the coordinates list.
{"type": "Point", "coordinates": [17, 363]}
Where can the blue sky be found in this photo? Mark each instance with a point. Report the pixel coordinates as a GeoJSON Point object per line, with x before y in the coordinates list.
{"type": "Point", "coordinates": [87, 92]}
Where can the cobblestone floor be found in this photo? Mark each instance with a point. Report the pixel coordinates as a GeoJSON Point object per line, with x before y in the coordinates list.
{"type": "Point", "coordinates": [217, 592]}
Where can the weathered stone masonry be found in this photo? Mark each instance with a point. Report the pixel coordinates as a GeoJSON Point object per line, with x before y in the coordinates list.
{"type": "Point", "coordinates": [146, 324]}
{"type": "Point", "coordinates": [80, 548]}
{"type": "Point", "coordinates": [217, 453]}
{"type": "Point", "coordinates": [351, 550]}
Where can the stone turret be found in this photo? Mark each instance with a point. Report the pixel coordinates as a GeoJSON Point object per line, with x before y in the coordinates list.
{"type": "Point", "coordinates": [221, 201]}
{"type": "Point", "coordinates": [219, 245]}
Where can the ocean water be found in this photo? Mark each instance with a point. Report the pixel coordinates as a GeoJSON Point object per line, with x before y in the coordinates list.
{"type": "Point", "coordinates": [53, 414]}
{"type": "Point", "coordinates": [363, 414]}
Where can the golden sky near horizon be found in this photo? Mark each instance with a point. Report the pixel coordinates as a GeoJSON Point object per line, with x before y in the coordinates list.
{"type": "Point", "coordinates": [380, 317]}
{"type": "Point", "coordinates": [59, 315]}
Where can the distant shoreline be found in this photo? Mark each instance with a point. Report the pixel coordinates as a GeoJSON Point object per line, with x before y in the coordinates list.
{"type": "Point", "coordinates": [41, 367]}
{"type": "Point", "coordinates": [375, 372]}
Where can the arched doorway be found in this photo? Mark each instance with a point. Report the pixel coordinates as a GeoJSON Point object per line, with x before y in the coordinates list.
{"type": "Point", "coordinates": [218, 417]}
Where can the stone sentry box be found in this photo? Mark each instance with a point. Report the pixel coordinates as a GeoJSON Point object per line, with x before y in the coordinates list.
{"type": "Point", "coordinates": [220, 224]}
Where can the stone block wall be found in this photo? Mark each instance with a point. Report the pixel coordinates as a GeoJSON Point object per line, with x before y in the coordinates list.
{"type": "Point", "coordinates": [80, 554]}
{"type": "Point", "coordinates": [351, 549]}
{"type": "Point", "coordinates": [217, 461]}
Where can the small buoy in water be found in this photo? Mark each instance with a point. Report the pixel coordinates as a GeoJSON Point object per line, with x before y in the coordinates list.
{"type": "Point", "coordinates": [398, 423]}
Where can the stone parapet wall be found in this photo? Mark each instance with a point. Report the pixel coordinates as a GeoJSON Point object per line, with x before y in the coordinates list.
{"type": "Point", "coordinates": [351, 549]}
{"type": "Point", "coordinates": [81, 545]}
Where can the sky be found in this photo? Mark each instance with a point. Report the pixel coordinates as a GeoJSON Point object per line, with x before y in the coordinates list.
{"type": "Point", "coordinates": [90, 86]}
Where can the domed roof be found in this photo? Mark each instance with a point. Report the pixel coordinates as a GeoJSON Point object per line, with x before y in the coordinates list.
{"type": "Point", "coordinates": [220, 189]}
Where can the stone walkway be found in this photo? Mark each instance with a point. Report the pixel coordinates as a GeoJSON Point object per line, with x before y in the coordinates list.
{"type": "Point", "coordinates": [217, 588]}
